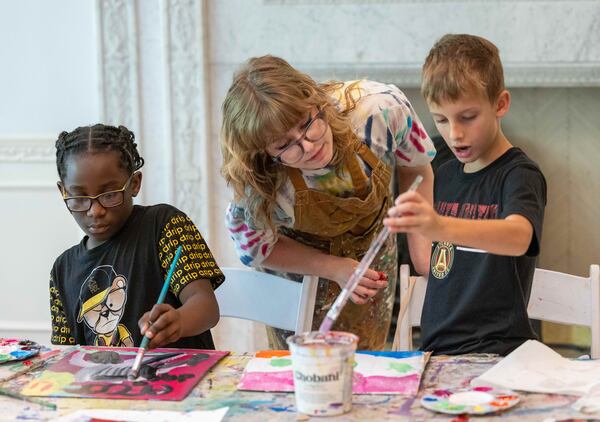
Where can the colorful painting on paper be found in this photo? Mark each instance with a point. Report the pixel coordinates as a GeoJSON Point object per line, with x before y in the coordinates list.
{"type": "Point", "coordinates": [374, 372]}
{"type": "Point", "coordinates": [101, 372]}
{"type": "Point", "coordinates": [12, 349]}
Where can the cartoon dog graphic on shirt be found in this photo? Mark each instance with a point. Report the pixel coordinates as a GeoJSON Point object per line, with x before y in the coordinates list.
{"type": "Point", "coordinates": [102, 302]}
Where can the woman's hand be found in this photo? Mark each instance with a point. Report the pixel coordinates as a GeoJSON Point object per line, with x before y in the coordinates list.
{"type": "Point", "coordinates": [369, 285]}
{"type": "Point", "coordinates": [292, 256]}
{"type": "Point", "coordinates": [162, 325]}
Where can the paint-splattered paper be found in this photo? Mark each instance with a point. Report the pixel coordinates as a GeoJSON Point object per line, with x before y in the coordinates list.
{"type": "Point", "coordinates": [536, 368]}
{"type": "Point", "coordinates": [101, 372]}
{"type": "Point", "coordinates": [15, 369]}
{"type": "Point", "coordinates": [374, 372]}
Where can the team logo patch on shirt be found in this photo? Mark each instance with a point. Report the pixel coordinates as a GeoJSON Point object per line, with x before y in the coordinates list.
{"type": "Point", "coordinates": [442, 259]}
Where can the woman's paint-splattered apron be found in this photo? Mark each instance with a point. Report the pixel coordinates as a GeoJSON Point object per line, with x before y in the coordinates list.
{"type": "Point", "coordinates": [345, 227]}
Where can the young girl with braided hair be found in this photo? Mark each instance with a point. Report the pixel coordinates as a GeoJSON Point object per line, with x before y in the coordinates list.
{"type": "Point", "coordinates": [103, 290]}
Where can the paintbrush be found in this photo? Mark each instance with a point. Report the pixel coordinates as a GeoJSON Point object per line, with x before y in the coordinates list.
{"type": "Point", "coordinates": [359, 271]}
{"type": "Point", "coordinates": [29, 399]}
{"type": "Point", "coordinates": [35, 364]}
{"type": "Point", "coordinates": [135, 369]}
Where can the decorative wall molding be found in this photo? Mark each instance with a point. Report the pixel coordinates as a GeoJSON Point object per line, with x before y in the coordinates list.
{"type": "Point", "coordinates": [27, 150]}
{"type": "Point", "coordinates": [552, 75]}
{"type": "Point", "coordinates": [182, 31]}
{"type": "Point", "coordinates": [186, 50]}
{"type": "Point", "coordinates": [38, 331]}
{"type": "Point", "coordinates": [527, 75]}
{"type": "Point", "coordinates": [118, 40]}
{"type": "Point", "coordinates": [27, 186]}
{"type": "Point", "coordinates": [405, 75]}
{"type": "Point", "coordinates": [43, 326]}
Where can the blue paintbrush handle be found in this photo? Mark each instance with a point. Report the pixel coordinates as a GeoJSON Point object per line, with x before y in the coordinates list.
{"type": "Point", "coordinates": [165, 289]}
{"type": "Point", "coordinates": [135, 369]}
{"type": "Point", "coordinates": [145, 341]}
{"type": "Point", "coordinates": [163, 292]}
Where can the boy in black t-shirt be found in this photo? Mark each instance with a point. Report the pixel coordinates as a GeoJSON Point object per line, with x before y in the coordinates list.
{"type": "Point", "coordinates": [103, 291]}
{"type": "Point", "coordinates": [489, 208]}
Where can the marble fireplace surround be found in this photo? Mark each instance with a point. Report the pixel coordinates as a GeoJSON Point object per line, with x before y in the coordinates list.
{"type": "Point", "coordinates": [166, 65]}
{"type": "Point", "coordinates": [175, 60]}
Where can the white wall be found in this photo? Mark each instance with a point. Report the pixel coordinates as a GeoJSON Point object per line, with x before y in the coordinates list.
{"type": "Point", "coordinates": [48, 83]}
{"type": "Point", "coordinates": [48, 77]}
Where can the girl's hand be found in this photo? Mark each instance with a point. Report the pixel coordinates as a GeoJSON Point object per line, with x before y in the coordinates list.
{"type": "Point", "coordinates": [162, 325]}
{"type": "Point", "coordinates": [413, 214]}
{"type": "Point", "coordinates": [368, 286]}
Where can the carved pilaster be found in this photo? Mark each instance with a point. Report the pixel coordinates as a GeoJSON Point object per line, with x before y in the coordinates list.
{"type": "Point", "coordinates": [192, 161]}
{"type": "Point", "coordinates": [118, 38]}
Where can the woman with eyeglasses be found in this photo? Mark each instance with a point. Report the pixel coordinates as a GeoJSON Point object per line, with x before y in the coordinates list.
{"type": "Point", "coordinates": [312, 168]}
{"type": "Point", "coordinates": [103, 290]}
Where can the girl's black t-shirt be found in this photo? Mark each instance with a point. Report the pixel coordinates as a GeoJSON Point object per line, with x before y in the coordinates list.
{"type": "Point", "coordinates": [97, 296]}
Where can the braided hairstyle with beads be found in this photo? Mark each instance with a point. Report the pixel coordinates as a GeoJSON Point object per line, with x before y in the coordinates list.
{"type": "Point", "coordinates": [98, 138]}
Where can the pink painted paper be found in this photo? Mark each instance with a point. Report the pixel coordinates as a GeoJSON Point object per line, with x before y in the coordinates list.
{"type": "Point", "coordinates": [267, 381]}
{"type": "Point", "coordinates": [170, 374]}
{"type": "Point", "coordinates": [374, 372]}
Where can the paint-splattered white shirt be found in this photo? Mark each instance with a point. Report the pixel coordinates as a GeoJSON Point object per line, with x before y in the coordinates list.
{"type": "Point", "coordinates": [384, 120]}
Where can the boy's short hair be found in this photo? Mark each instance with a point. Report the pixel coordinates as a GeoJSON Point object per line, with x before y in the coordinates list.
{"type": "Point", "coordinates": [460, 63]}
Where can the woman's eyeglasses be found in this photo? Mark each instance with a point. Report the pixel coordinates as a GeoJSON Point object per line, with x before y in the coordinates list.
{"type": "Point", "coordinates": [110, 199]}
{"type": "Point", "coordinates": [314, 130]}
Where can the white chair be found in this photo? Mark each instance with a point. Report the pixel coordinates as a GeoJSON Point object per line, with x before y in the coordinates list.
{"type": "Point", "coordinates": [267, 298]}
{"type": "Point", "coordinates": [556, 297]}
{"type": "Point", "coordinates": [412, 296]}
{"type": "Point", "coordinates": [568, 299]}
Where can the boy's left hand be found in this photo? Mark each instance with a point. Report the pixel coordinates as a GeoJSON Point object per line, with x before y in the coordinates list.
{"type": "Point", "coordinates": [413, 214]}
{"type": "Point", "coordinates": [162, 325]}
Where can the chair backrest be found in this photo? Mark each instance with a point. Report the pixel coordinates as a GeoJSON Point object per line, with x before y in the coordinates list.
{"type": "Point", "coordinates": [568, 299]}
{"type": "Point", "coordinates": [412, 296]}
{"type": "Point", "coordinates": [556, 297]}
{"type": "Point", "coordinates": [267, 298]}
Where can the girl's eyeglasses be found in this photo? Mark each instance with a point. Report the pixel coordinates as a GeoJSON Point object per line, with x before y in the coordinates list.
{"type": "Point", "coordinates": [314, 130]}
{"type": "Point", "coordinates": [110, 199]}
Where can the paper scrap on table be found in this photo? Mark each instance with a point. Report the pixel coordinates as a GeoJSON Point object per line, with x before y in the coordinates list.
{"type": "Point", "coordinates": [534, 367]}
{"type": "Point", "coordinates": [590, 403]}
{"type": "Point", "coordinates": [216, 415]}
{"type": "Point", "coordinates": [375, 372]}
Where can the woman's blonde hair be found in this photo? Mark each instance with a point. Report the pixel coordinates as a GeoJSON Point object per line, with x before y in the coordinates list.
{"type": "Point", "coordinates": [267, 98]}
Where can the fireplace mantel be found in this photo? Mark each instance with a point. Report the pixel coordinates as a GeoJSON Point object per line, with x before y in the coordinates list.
{"type": "Point", "coordinates": [522, 75]}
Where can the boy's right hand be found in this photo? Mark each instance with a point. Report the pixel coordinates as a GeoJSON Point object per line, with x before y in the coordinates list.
{"type": "Point", "coordinates": [412, 213]}
{"type": "Point", "coordinates": [368, 286]}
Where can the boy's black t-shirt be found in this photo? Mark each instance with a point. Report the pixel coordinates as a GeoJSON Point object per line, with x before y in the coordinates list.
{"type": "Point", "coordinates": [97, 296]}
{"type": "Point", "coordinates": [476, 302]}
